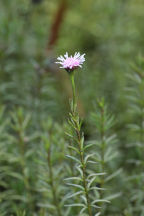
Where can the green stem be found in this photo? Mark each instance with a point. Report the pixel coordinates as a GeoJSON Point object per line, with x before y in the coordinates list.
{"type": "Point", "coordinates": [74, 91]}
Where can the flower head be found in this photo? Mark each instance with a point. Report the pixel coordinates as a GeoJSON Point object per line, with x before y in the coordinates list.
{"type": "Point", "coordinates": [71, 62]}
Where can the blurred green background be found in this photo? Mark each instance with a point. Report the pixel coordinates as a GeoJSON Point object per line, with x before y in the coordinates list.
{"type": "Point", "coordinates": [33, 33]}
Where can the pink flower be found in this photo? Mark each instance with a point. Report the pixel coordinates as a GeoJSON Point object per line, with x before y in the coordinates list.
{"type": "Point", "coordinates": [71, 62]}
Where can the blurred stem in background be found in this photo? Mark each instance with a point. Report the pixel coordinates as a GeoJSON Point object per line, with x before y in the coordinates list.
{"type": "Point", "coordinates": [57, 22]}
{"type": "Point", "coordinates": [52, 183]}
{"type": "Point", "coordinates": [135, 95]}
{"type": "Point", "coordinates": [102, 137]}
{"type": "Point", "coordinates": [50, 174]}
{"type": "Point", "coordinates": [106, 151]}
{"type": "Point", "coordinates": [19, 126]}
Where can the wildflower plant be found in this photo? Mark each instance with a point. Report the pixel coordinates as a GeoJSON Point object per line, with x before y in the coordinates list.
{"type": "Point", "coordinates": [112, 35]}
{"type": "Point", "coordinates": [84, 182]}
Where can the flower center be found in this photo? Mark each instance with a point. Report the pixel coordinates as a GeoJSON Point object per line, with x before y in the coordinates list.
{"type": "Point", "coordinates": [71, 62]}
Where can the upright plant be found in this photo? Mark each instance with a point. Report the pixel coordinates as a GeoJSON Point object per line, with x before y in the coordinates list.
{"type": "Point", "coordinates": [85, 179]}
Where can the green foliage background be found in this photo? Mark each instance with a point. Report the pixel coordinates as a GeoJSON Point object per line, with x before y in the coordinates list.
{"type": "Point", "coordinates": [34, 101]}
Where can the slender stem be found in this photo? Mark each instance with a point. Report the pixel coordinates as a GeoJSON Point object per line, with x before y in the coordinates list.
{"type": "Point", "coordinates": [55, 200]}
{"type": "Point", "coordinates": [73, 89]}
{"type": "Point", "coordinates": [81, 150]}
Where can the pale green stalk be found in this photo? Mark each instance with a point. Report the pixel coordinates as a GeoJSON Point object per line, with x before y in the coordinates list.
{"type": "Point", "coordinates": [74, 91]}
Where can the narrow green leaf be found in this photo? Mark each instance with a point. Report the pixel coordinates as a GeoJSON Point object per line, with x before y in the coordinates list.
{"type": "Point", "coordinates": [73, 178]}
{"type": "Point", "coordinates": [113, 175]}
{"type": "Point", "coordinates": [75, 205]}
{"type": "Point", "coordinates": [74, 194]}
{"type": "Point", "coordinates": [75, 185]}
{"type": "Point", "coordinates": [73, 158]}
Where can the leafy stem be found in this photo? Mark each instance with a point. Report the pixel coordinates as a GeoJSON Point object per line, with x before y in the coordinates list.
{"type": "Point", "coordinates": [81, 151]}
{"type": "Point", "coordinates": [80, 140]}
